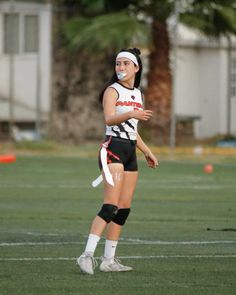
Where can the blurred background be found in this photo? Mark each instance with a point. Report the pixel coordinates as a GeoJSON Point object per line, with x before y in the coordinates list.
{"type": "Point", "coordinates": [56, 56]}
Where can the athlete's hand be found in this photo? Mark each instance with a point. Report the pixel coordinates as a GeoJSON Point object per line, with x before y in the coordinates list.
{"type": "Point", "coordinates": [151, 160]}
{"type": "Point", "coordinates": [142, 115]}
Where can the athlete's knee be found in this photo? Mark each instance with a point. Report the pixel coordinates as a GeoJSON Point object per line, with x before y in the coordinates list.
{"type": "Point", "coordinates": [121, 216]}
{"type": "Point", "coordinates": [108, 212]}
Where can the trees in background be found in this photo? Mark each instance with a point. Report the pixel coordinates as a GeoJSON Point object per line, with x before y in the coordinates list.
{"type": "Point", "coordinates": [101, 27]}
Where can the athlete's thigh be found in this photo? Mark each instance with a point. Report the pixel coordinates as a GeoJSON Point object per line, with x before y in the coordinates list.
{"type": "Point", "coordinates": [128, 188]}
{"type": "Point", "coordinates": [112, 193]}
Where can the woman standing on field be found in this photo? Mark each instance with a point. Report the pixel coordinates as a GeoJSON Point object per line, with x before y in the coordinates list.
{"type": "Point", "coordinates": [123, 108]}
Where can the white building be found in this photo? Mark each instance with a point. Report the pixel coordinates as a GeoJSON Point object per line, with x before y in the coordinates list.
{"type": "Point", "coordinates": [206, 83]}
{"type": "Point", "coordinates": [25, 62]}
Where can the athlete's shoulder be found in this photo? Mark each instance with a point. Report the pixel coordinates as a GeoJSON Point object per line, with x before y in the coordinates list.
{"type": "Point", "coordinates": [111, 92]}
{"type": "Point", "coordinates": [116, 86]}
{"type": "Point", "coordinates": [138, 91]}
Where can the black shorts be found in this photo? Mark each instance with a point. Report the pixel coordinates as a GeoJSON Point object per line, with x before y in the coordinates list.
{"type": "Point", "coordinates": [121, 151]}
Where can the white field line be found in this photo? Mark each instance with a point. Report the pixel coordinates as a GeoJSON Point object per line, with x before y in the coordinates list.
{"type": "Point", "coordinates": [148, 242]}
{"type": "Point", "coordinates": [121, 257]}
{"type": "Point", "coordinates": [175, 185]}
{"type": "Point", "coordinates": [122, 242]}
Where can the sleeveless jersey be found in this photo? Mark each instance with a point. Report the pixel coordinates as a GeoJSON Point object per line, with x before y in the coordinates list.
{"type": "Point", "coordinates": [128, 100]}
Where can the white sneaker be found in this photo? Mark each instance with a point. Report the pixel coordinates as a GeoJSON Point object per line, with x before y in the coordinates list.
{"type": "Point", "coordinates": [113, 264]}
{"type": "Point", "coordinates": [86, 263]}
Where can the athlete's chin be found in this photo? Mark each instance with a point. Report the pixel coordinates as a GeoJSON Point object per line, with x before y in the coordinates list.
{"type": "Point", "coordinates": [124, 79]}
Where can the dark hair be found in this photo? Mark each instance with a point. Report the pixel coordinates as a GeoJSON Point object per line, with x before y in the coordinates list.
{"type": "Point", "coordinates": [136, 52]}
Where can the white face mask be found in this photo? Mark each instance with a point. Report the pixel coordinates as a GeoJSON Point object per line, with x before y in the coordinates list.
{"type": "Point", "coordinates": [121, 75]}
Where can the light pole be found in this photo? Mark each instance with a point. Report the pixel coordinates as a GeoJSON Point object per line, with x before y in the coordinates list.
{"type": "Point", "coordinates": [38, 86]}
{"type": "Point", "coordinates": [229, 61]}
{"type": "Point", "coordinates": [11, 67]}
{"type": "Point", "coordinates": [174, 74]}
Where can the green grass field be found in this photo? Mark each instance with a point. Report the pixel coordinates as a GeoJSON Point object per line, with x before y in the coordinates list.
{"type": "Point", "coordinates": [180, 237]}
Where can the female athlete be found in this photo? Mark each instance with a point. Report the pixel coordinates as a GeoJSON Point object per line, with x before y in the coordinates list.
{"type": "Point", "coordinates": [123, 108]}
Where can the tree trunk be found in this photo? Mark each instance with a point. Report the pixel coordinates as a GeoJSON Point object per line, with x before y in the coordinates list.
{"type": "Point", "coordinates": [77, 114]}
{"type": "Point", "coordinates": [158, 93]}
{"type": "Point", "coordinates": [77, 79]}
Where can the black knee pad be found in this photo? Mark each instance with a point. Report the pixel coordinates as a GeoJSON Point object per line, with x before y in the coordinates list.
{"type": "Point", "coordinates": [121, 216]}
{"type": "Point", "coordinates": [108, 212]}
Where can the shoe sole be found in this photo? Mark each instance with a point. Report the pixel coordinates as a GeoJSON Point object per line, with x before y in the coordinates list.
{"type": "Point", "coordinates": [109, 270]}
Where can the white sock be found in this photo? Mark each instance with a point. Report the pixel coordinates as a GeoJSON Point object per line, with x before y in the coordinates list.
{"type": "Point", "coordinates": [110, 249]}
{"type": "Point", "coordinates": [92, 243]}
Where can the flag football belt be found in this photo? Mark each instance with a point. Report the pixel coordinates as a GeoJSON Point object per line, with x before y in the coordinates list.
{"type": "Point", "coordinates": [103, 157]}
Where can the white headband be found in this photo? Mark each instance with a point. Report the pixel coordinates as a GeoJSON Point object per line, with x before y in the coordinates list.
{"type": "Point", "coordinates": [128, 55]}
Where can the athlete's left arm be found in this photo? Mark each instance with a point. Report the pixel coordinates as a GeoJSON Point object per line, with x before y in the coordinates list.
{"type": "Point", "coordinates": [150, 157]}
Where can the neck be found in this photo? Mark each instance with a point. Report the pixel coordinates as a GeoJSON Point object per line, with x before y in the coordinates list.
{"type": "Point", "coordinates": [128, 83]}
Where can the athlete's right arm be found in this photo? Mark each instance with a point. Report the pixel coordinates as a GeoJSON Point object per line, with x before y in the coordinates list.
{"type": "Point", "coordinates": [111, 118]}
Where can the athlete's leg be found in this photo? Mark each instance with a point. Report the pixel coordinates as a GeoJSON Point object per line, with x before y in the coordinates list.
{"type": "Point", "coordinates": [111, 196]}
{"type": "Point", "coordinates": [109, 264]}
{"type": "Point", "coordinates": [125, 200]}
{"type": "Point", "coordinates": [106, 214]}
{"type": "Point", "coordinates": [109, 208]}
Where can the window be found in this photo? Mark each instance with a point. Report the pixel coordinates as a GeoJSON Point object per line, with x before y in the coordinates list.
{"type": "Point", "coordinates": [21, 33]}
{"type": "Point", "coordinates": [233, 77]}
{"type": "Point", "coordinates": [31, 33]}
{"type": "Point", "coordinates": [11, 33]}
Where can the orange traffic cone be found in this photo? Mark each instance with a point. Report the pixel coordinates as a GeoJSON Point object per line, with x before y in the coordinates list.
{"type": "Point", "coordinates": [10, 158]}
